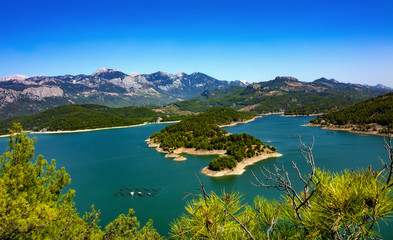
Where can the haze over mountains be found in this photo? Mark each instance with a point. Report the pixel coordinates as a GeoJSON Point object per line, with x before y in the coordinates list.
{"type": "Point", "coordinates": [21, 95]}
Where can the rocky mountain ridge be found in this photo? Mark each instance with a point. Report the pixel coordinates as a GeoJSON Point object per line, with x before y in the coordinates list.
{"type": "Point", "coordinates": [285, 94]}
{"type": "Point", "coordinates": [20, 95]}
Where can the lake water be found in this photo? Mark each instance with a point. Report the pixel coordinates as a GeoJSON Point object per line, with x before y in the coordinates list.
{"type": "Point", "coordinates": [102, 162]}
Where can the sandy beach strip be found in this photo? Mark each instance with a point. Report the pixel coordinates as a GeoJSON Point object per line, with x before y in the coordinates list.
{"type": "Point", "coordinates": [242, 122]}
{"type": "Point", "coordinates": [240, 167]}
{"type": "Point", "coordinates": [238, 170]}
{"type": "Point", "coordinates": [175, 154]}
{"type": "Point", "coordinates": [92, 129]}
{"type": "Point", "coordinates": [350, 130]}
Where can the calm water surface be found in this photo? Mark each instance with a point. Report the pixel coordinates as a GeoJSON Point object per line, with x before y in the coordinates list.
{"type": "Point", "coordinates": [102, 162]}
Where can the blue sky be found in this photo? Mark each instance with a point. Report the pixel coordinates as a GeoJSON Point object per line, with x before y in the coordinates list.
{"type": "Point", "coordinates": [351, 41]}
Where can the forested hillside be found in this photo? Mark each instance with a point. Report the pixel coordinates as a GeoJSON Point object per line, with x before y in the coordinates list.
{"type": "Point", "coordinates": [86, 116]}
{"type": "Point", "coordinates": [284, 94]}
{"type": "Point", "coordinates": [373, 114]}
{"type": "Point", "coordinates": [202, 132]}
{"type": "Point", "coordinates": [35, 204]}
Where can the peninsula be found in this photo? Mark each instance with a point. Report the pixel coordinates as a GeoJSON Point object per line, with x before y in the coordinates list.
{"type": "Point", "coordinates": [86, 117]}
{"type": "Point", "coordinates": [373, 117]}
{"type": "Point", "coordinates": [201, 135]}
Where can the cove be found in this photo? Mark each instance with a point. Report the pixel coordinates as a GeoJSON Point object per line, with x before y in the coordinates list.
{"type": "Point", "coordinates": [102, 162]}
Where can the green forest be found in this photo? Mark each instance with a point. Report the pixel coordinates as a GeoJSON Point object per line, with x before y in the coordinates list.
{"type": "Point", "coordinates": [85, 116]}
{"type": "Point", "coordinates": [278, 96]}
{"type": "Point", "coordinates": [202, 132]}
{"type": "Point", "coordinates": [35, 204]}
{"type": "Point", "coordinates": [363, 115]}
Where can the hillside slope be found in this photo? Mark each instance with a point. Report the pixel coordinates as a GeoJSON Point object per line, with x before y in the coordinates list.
{"type": "Point", "coordinates": [285, 94]}
{"type": "Point", "coordinates": [372, 115]}
{"type": "Point", "coordinates": [87, 116]}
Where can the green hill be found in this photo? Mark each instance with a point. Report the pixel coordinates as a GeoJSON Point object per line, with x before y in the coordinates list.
{"type": "Point", "coordinates": [86, 116]}
{"type": "Point", "coordinates": [369, 115]}
{"type": "Point", "coordinates": [202, 132]}
{"type": "Point", "coordinates": [284, 94]}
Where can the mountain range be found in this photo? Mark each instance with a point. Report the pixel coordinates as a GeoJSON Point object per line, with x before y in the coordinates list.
{"type": "Point", "coordinates": [285, 94]}
{"type": "Point", "coordinates": [21, 95]}
{"type": "Point", "coordinates": [197, 92]}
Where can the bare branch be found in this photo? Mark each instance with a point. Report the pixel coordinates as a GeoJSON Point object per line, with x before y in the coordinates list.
{"type": "Point", "coordinates": [273, 222]}
{"type": "Point", "coordinates": [243, 226]}
{"type": "Point", "coordinates": [279, 179]}
{"type": "Point", "coordinates": [202, 189]}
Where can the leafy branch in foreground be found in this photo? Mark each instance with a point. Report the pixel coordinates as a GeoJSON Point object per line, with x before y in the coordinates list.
{"type": "Point", "coordinates": [32, 205]}
{"type": "Point", "coordinates": [346, 205]}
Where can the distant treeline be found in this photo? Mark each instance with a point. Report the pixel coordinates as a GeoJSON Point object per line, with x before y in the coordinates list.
{"type": "Point", "coordinates": [86, 116]}
{"type": "Point", "coordinates": [378, 110]}
{"type": "Point", "coordinates": [203, 133]}
{"type": "Point", "coordinates": [273, 97]}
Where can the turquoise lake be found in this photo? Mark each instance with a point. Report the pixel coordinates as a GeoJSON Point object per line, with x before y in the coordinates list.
{"type": "Point", "coordinates": [102, 162]}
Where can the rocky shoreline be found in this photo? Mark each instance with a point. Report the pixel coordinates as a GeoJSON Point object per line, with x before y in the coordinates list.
{"type": "Point", "coordinates": [175, 154]}
{"type": "Point", "coordinates": [347, 129]}
{"type": "Point", "coordinates": [240, 167]}
{"type": "Point", "coordinates": [90, 130]}
{"type": "Point", "coordinates": [238, 170]}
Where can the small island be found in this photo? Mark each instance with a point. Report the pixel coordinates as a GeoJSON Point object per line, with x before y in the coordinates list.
{"type": "Point", "coordinates": [202, 135]}
{"type": "Point", "coordinates": [372, 117]}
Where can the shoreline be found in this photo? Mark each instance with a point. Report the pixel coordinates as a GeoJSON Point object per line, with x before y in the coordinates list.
{"type": "Point", "coordinates": [90, 130]}
{"type": "Point", "coordinates": [142, 124]}
{"type": "Point", "coordinates": [238, 170]}
{"type": "Point", "coordinates": [242, 122]}
{"type": "Point", "coordinates": [175, 154]}
{"type": "Point", "coordinates": [240, 167]}
{"type": "Point", "coordinates": [336, 128]}
{"type": "Point", "coordinates": [252, 119]}
{"type": "Point", "coordinates": [310, 115]}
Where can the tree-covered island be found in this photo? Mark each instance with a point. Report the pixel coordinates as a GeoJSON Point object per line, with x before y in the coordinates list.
{"type": "Point", "coordinates": [201, 135]}
{"type": "Point", "coordinates": [373, 116]}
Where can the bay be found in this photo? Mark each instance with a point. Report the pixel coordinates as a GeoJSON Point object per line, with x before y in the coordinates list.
{"type": "Point", "coordinates": [101, 163]}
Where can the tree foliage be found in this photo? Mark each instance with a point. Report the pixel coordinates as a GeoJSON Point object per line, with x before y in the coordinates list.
{"type": "Point", "coordinates": [345, 205]}
{"type": "Point", "coordinates": [86, 116]}
{"type": "Point", "coordinates": [280, 95]}
{"type": "Point", "coordinates": [128, 227]}
{"type": "Point", "coordinates": [378, 110]}
{"type": "Point", "coordinates": [203, 132]}
{"type": "Point", "coordinates": [33, 204]}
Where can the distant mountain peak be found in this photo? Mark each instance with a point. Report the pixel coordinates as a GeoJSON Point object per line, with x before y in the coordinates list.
{"type": "Point", "coordinates": [133, 74]}
{"type": "Point", "coordinates": [108, 73]}
{"type": "Point", "coordinates": [104, 70]}
{"type": "Point", "coordinates": [380, 86]}
{"type": "Point", "coordinates": [163, 73]}
{"type": "Point", "coordinates": [14, 77]}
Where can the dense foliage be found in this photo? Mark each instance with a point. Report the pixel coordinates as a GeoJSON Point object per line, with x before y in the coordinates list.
{"type": "Point", "coordinates": [32, 205]}
{"type": "Point", "coordinates": [203, 132]}
{"type": "Point", "coordinates": [378, 110]}
{"type": "Point", "coordinates": [346, 205]}
{"type": "Point", "coordinates": [342, 203]}
{"type": "Point", "coordinates": [87, 116]}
